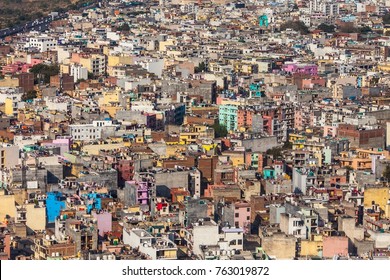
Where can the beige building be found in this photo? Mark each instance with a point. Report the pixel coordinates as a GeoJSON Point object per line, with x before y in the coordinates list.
{"type": "Point", "coordinates": [279, 246]}
{"type": "Point", "coordinates": [7, 206]}
{"type": "Point", "coordinates": [35, 217]}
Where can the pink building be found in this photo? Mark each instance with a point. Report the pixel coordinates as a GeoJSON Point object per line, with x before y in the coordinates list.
{"type": "Point", "coordinates": [62, 142]}
{"type": "Point", "coordinates": [17, 67]}
{"type": "Point", "coordinates": [292, 67]}
{"type": "Point", "coordinates": [335, 245]}
{"type": "Point", "coordinates": [5, 242]}
{"type": "Point", "coordinates": [330, 131]}
{"type": "Point", "coordinates": [242, 215]}
{"type": "Point", "coordinates": [104, 222]}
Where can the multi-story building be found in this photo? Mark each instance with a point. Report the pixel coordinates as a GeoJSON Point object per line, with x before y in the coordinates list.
{"type": "Point", "coordinates": [95, 63]}
{"type": "Point", "coordinates": [42, 43]}
{"type": "Point", "coordinates": [9, 155]}
{"type": "Point", "coordinates": [85, 132]}
{"type": "Point", "coordinates": [228, 117]}
{"type": "Point", "coordinates": [155, 248]}
{"type": "Point", "coordinates": [5, 242]}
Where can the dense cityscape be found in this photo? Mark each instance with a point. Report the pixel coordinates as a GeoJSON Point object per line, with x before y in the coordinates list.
{"type": "Point", "coordinates": [197, 130]}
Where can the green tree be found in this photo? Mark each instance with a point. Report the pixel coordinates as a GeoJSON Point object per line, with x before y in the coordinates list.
{"type": "Point", "coordinates": [364, 29]}
{"type": "Point", "coordinates": [124, 27]}
{"type": "Point", "coordinates": [386, 173]}
{"type": "Point", "coordinates": [328, 28]}
{"type": "Point", "coordinates": [295, 25]}
{"type": "Point", "coordinates": [275, 152]}
{"type": "Point", "coordinates": [386, 18]}
{"type": "Point", "coordinates": [348, 27]}
{"type": "Point", "coordinates": [29, 95]}
{"type": "Point", "coordinates": [42, 72]}
{"type": "Point", "coordinates": [219, 130]}
{"type": "Point", "coordinates": [200, 68]}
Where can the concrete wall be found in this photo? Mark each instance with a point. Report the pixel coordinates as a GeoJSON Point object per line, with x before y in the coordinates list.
{"type": "Point", "coordinates": [274, 213]}
{"type": "Point", "coordinates": [347, 224]}
{"type": "Point", "coordinates": [382, 240]}
{"type": "Point", "coordinates": [168, 180]}
{"type": "Point", "coordinates": [7, 206]}
{"type": "Point", "coordinates": [260, 144]}
{"type": "Point", "coordinates": [204, 235]}
{"type": "Point", "coordinates": [280, 246]}
{"type": "Point", "coordinates": [335, 245]}
{"type": "Point", "coordinates": [36, 217]}
{"type": "Point", "coordinates": [363, 247]}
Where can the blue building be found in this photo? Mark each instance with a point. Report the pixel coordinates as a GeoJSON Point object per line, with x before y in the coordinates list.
{"type": "Point", "coordinates": [228, 116]}
{"type": "Point", "coordinates": [93, 201]}
{"type": "Point", "coordinates": [55, 202]}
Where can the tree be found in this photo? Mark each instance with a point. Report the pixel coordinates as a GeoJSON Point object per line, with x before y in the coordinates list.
{"type": "Point", "coordinates": [328, 28]}
{"type": "Point", "coordinates": [42, 72]}
{"type": "Point", "coordinates": [364, 29]}
{"type": "Point", "coordinates": [295, 25]}
{"type": "Point", "coordinates": [275, 152]}
{"type": "Point", "coordinates": [124, 27]}
{"type": "Point", "coordinates": [348, 27]}
{"type": "Point", "coordinates": [200, 68]}
{"type": "Point", "coordinates": [91, 76]}
{"type": "Point", "coordinates": [219, 130]}
{"type": "Point", "coordinates": [386, 173]}
{"type": "Point", "coordinates": [29, 95]}
{"type": "Point", "coordinates": [386, 18]}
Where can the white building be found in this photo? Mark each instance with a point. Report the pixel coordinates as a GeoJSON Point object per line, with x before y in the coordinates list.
{"type": "Point", "coordinates": [85, 132]}
{"type": "Point", "coordinates": [78, 72]}
{"type": "Point", "coordinates": [155, 248]}
{"type": "Point", "coordinates": [293, 226]}
{"type": "Point", "coordinates": [154, 65]}
{"type": "Point", "coordinates": [42, 43]}
{"type": "Point", "coordinates": [204, 233]}
{"type": "Point", "coordinates": [9, 155]}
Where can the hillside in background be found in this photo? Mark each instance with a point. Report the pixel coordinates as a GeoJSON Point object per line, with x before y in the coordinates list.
{"type": "Point", "coordinates": [14, 12]}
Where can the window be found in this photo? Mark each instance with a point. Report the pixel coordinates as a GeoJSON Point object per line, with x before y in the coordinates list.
{"type": "Point", "coordinates": [248, 209]}
{"type": "Point", "coordinates": [236, 224]}
{"type": "Point", "coordinates": [236, 215]}
{"type": "Point", "coordinates": [247, 218]}
{"type": "Point", "coordinates": [239, 241]}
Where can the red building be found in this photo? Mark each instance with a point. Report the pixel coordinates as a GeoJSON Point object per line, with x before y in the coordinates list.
{"type": "Point", "coordinates": [5, 243]}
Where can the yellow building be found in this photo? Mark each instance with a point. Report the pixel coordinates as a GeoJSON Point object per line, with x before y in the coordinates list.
{"type": "Point", "coordinates": [174, 150]}
{"type": "Point", "coordinates": [376, 195]}
{"type": "Point", "coordinates": [110, 102]}
{"type": "Point", "coordinates": [190, 134]}
{"type": "Point", "coordinates": [35, 217]}
{"type": "Point", "coordinates": [294, 137]}
{"type": "Point", "coordinates": [163, 45]}
{"type": "Point", "coordinates": [94, 149]}
{"type": "Point", "coordinates": [384, 67]}
{"type": "Point", "coordinates": [236, 159]}
{"type": "Point", "coordinates": [7, 206]}
{"type": "Point", "coordinates": [312, 247]}
{"type": "Point", "coordinates": [387, 211]}
{"type": "Point", "coordinates": [9, 107]}
{"type": "Point", "coordinates": [64, 69]}
{"type": "Point", "coordinates": [115, 60]}
{"type": "Point", "coordinates": [8, 81]}
{"type": "Point", "coordinates": [95, 63]}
